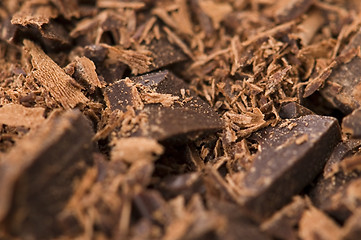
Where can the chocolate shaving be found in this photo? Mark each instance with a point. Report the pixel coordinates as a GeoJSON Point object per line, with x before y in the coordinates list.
{"type": "Point", "coordinates": [34, 13]}
{"type": "Point", "coordinates": [53, 78]}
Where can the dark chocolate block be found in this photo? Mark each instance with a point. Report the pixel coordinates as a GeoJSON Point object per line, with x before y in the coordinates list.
{"type": "Point", "coordinates": [189, 115]}
{"type": "Point", "coordinates": [290, 157]}
{"type": "Point", "coordinates": [37, 177]}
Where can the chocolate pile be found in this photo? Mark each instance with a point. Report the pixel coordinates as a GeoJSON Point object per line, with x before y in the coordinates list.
{"type": "Point", "coordinates": [180, 119]}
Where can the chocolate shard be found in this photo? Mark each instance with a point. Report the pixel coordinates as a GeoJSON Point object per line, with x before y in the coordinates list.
{"type": "Point", "coordinates": [327, 189]}
{"type": "Point", "coordinates": [352, 124]}
{"type": "Point", "coordinates": [37, 175]}
{"type": "Point", "coordinates": [164, 53]}
{"type": "Point", "coordinates": [343, 87]}
{"type": "Point", "coordinates": [61, 86]}
{"type": "Point", "coordinates": [170, 113]}
{"type": "Point", "coordinates": [293, 110]}
{"type": "Point", "coordinates": [345, 199]}
{"type": "Point", "coordinates": [290, 157]}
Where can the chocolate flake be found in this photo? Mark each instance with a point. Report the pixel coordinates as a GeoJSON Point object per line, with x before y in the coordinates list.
{"type": "Point", "coordinates": [53, 78]}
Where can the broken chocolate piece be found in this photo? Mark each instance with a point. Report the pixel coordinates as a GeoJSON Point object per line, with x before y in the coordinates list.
{"type": "Point", "coordinates": [343, 86]}
{"type": "Point", "coordinates": [36, 178]}
{"type": "Point", "coordinates": [352, 124]}
{"type": "Point", "coordinates": [284, 165]}
{"type": "Point", "coordinates": [61, 86]}
{"type": "Point", "coordinates": [293, 110]}
{"type": "Point", "coordinates": [334, 181]}
{"type": "Point", "coordinates": [84, 73]}
{"type": "Point", "coordinates": [164, 54]}
{"type": "Point", "coordinates": [167, 117]}
{"type": "Point", "coordinates": [345, 201]}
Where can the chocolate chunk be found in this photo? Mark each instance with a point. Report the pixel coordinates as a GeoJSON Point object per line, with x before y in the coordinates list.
{"type": "Point", "coordinates": [164, 53]}
{"type": "Point", "coordinates": [352, 124]}
{"type": "Point", "coordinates": [343, 86]}
{"type": "Point", "coordinates": [293, 110]}
{"type": "Point", "coordinates": [169, 111]}
{"type": "Point", "coordinates": [37, 175]}
{"type": "Point", "coordinates": [290, 157]}
{"type": "Point", "coordinates": [345, 201]}
{"type": "Point", "coordinates": [329, 187]}
{"type": "Point", "coordinates": [119, 95]}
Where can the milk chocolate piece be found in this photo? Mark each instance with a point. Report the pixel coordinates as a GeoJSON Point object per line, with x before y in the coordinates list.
{"type": "Point", "coordinates": [294, 110]}
{"type": "Point", "coordinates": [352, 124]}
{"type": "Point", "coordinates": [190, 117]}
{"type": "Point", "coordinates": [290, 157]}
{"type": "Point", "coordinates": [343, 86]}
{"type": "Point", "coordinates": [37, 175]}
